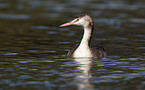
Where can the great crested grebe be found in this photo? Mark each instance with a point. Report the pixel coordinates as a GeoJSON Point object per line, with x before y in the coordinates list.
{"type": "Point", "coordinates": [85, 48]}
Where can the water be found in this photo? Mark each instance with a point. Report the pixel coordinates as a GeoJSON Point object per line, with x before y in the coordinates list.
{"type": "Point", "coordinates": [33, 48]}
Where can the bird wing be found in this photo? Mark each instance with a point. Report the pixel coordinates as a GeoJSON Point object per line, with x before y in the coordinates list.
{"type": "Point", "coordinates": [98, 50]}
{"type": "Point", "coordinates": [69, 54]}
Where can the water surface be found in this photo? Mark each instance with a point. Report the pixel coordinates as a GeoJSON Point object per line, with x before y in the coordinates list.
{"type": "Point", "coordinates": [33, 48]}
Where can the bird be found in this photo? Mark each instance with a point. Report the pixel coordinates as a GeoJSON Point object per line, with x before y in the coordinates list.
{"type": "Point", "coordinates": [86, 48]}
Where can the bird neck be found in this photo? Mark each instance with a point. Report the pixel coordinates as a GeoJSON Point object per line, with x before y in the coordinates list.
{"type": "Point", "coordinates": [86, 36]}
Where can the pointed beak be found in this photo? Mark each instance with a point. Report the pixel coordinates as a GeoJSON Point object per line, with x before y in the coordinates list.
{"type": "Point", "coordinates": [67, 24]}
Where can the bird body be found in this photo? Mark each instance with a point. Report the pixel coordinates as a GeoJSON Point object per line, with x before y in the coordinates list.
{"type": "Point", "coordinates": [85, 48]}
{"type": "Point", "coordinates": [82, 51]}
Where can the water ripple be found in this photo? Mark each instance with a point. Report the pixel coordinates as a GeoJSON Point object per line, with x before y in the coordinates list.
{"type": "Point", "coordinates": [14, 16]}
{"type": "Point", "coordinates": [10, 54]}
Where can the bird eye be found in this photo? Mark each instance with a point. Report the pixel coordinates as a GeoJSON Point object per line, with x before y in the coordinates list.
{"type": "Point", "coordinates": [77, 19]}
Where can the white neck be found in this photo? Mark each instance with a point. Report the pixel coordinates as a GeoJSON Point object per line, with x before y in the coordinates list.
{"type": "Point", "coordinates": [86, 37]}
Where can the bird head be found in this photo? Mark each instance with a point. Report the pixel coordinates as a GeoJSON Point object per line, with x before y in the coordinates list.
{"type": "Point", "coordinates": [81, 20]}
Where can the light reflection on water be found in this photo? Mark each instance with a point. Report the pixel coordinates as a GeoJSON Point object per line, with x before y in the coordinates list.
{"type": "Point", "coordinates": [14, 16]}
{"type": "Point", "coordinates": [81, 73]}
{"type": "Point", "coordinates": [33, 48]}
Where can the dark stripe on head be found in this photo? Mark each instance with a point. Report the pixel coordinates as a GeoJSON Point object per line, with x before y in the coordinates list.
{"type": "Point", "coordinates": [80, 15]}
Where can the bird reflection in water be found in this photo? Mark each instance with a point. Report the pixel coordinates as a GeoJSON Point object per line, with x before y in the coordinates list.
{"type": "Point", "coordinates": [83, 79]}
